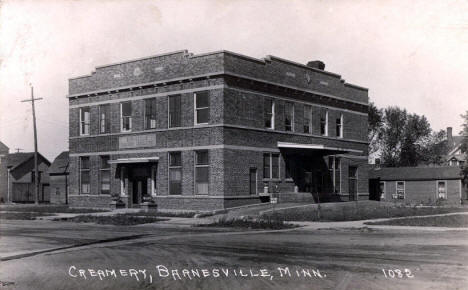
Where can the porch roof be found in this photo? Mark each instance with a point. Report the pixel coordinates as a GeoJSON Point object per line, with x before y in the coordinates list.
{"type": "Point", "coordinates": [317, 147]}
{"type": "Point", "coordinates": [134, 160]}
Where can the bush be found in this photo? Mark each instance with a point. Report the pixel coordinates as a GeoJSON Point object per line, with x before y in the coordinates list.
{"type": "Point", "coordinates": [268, 222]}
{"type": "Point", "coordinates": [119, 219]}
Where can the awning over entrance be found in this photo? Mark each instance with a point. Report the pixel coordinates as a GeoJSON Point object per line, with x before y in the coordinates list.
{"type": "Point", "coordinates": [319, 148]}
{"type": "Point", "coordinates": [134, 160]}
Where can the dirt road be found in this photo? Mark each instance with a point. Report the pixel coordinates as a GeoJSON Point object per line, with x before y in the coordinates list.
{"type": "Point", "coordinates": [184, 258]}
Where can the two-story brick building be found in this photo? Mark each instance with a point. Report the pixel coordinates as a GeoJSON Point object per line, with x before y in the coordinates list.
{"type": "Point", "coordinates": [215, 130]}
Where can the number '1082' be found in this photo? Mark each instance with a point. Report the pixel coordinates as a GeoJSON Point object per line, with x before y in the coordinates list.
{"type": "Point", "coordinates": [397, 273]}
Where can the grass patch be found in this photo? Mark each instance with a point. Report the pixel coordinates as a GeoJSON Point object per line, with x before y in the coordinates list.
{"type": "Point", "coordinates": [271, 223]}
{"type": "Point", "coordinates": [350, 211]}
{"type": "Point", "coordinates": [119, 219]}
{"type": "Point", "coordinates": [21, 215]}
{"type": "Point", "coordinates": [451, 221]}
{"type": "Point", "coordinates": [49, 209]}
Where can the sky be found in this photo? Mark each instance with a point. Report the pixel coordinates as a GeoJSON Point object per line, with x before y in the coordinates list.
{"type": "Point", "coordinates": [411, 54]}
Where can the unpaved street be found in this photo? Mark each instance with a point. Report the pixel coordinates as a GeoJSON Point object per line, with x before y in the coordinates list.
{"type": "Point", "coordinates": [164, 257]}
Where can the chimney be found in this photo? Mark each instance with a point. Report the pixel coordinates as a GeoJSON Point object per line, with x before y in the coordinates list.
{"type": "Point", "coordinates": [377, 162]}
{"type": "Point", "coordinates": [318, 64]}
{"type": "Point", "coordinates": [449, 138]}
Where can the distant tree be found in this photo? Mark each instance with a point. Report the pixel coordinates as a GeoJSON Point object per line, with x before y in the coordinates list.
{"type": "Point", "coordinates": [404, 138]}
{"type": "Point", "coordinates": [374, 133]}
{"type": "Point", "coordinates": [464, 145]}
{"type": "Point", "coordinates": [392, 135]}
{"type": "Point", "coordinates": [416, 129]}
{"type": "Point", "coordinates": [434, 148]}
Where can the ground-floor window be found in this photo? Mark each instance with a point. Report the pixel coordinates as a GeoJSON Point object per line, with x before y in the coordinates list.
{"type": "Point", "coordinates": [84, 175]}
{"type": "Point", "coordinates": [105, 175]}
{"type": "Point", "coordinates": [400, 190]}
{"type": "Point", "coordinates": [441, 189]}
{"type": "Point", "coordinates": [334, 166]}
{"type": "Point", "coordinates": [175, 173]}
{"type": "Point", "coordinates": [271, 165]}
{"type": "Point", "coordinates": [202, 168]}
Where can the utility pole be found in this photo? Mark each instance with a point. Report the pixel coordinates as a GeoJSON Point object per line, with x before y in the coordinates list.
{"type": "Point", "coordinates": [18, 150]}
{"type": "Point", "coordinates": [36, 170]}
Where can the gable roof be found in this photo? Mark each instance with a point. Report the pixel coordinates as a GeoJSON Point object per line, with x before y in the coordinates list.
{"type": "Point", "coordinates": [16, 159]}
{"type": "Point", "coordinates": [3, 147]}
{"type": "Point", "coordinates": [60, 164]}
{"type": "Point", "coordinates": [416, 173]}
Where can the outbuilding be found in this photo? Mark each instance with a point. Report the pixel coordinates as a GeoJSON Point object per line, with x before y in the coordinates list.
{"type": "Point", "coordinates": [417, 185]}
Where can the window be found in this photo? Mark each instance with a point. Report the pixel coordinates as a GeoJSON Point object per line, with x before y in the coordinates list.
{"type": "Point", "coordinates": [334, 166]}
{"type": "Point", "coordinates": [271, 165]}
{"type": "Point", "coordinates": [150, 113]}
{"type": "Point", "coordinates": [175, 173]}
{"type": "Point", "coordinates": [382, 189]}
{"type": "Point", "coordinates": [105, 175]}
{"type": "Point", "coordinates": [289, 116]}
{"type": "Point", "coordinates": [441, 189]}
{"type": "Point", "coordinates": [126, 117]}
{"type": "Point", "coordinates": [269, 113]}
{"type": "Point", "coordinates": [84, 121]}
{"type": "Point", "coordinates": [175, 111]}
{"type": "Point", "coordinates": [202, 108]}
{"type": "Point", "coordinates": [308, 119]}
{"type": "Point", "coordinates": [201, 172]}
{"type": "Point", "coordinates": [84, 175]}
{"type": "Point", "coordinates": [400, 190]}
{"type": "Point", "coordinates": [339, 126]}
{"type": "Point", "coordinates": [324, 123]}
{"type": "Point", "coordinates": [104, 120]}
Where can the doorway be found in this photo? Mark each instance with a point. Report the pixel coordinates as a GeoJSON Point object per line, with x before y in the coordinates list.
{"type": "Point", "coordinates": [352, 182]}
{"type": "Point", "coordinates": [140, 189]}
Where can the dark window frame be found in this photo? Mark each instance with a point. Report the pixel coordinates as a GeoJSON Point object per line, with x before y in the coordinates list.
{"type": "Point", "coordinates": [175, 165]}
{"type": "Point", "coordinates": [150, 113]}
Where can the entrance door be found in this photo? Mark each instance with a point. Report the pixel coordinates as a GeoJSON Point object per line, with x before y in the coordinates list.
{"type": "Point", "coordinates": [352, 182]}
{"type": "Point", "coordinates": [253, 181]}
{"type": "Point", "coordinates": [140, 188]}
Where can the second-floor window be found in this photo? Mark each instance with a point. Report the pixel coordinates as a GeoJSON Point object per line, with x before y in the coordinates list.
{"type": "Point", "coordinates": [126, 117]}
{"type": "Point", "coordinates": [175, 111]}
{"type": "Point", "coordinates": [324, 123]}
{"type": "Point", "coordinates": [339, 126]}
{"type": "Point", "coordinates": [104, 119]}
{"type": "Point", "coordinates": [289, 116]}
{"type": "Point", "coordinates": [84, 121]}
{"type": "Point", "coordinates": [202, 108]}
{"type": "Point", "coordinates": [150, 113]}
{"type": "Point", "coordinates": [307, 119]}
{"type": "Point", "coordinates": [269, 113]}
